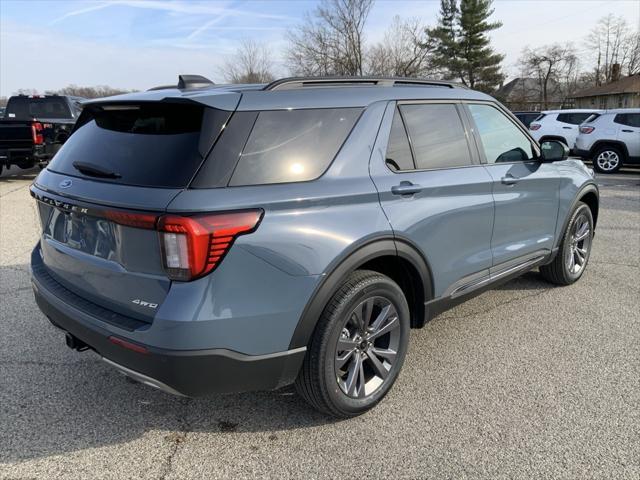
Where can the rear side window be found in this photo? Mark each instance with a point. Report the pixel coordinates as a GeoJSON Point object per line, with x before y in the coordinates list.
{"type": "Point", "coordinates": [437, 135]}
{"type": "Point", "coordinates": [25, 108]}
{"type": "Point", "coordinates": [151, 145]}
{"type": "Point", "coordinates": [502, 141]}
{"type": "Point", "coordinates": [629, 119]}
{"type": "Point", "coordinates": [398, 149]}
{"type": "Point", "coordinates": [591, 118]}
{"type": "Point", "coordinates": [573, 118]}
{"type": "Point", "coordinates": [292, 145]}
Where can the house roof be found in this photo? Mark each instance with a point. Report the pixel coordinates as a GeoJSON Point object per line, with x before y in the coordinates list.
{"type": "Point", "coordinates": [629, 84]}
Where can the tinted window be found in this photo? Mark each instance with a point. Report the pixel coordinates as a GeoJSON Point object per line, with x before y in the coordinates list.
{"type": "Point", "coordinates": [437, 135]}
{"type": "Point", "coordinates": [154, 145]}
{"type": "Point", "coordinates": [501, 140]}
{"type": "Point", "coordinates": [26, 108]}
{"type": "Point", "coordinates": [591, 117]}
{"type": "Point", "coordinates": [573, 118]}
{"type": "Point", "coordinates": [629, 119]}
{"type": "Point", "coordinates": [398, 150]}
{"type": "Point", "coordinates": [293, 145]}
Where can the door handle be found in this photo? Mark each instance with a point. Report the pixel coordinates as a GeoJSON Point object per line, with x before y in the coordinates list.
{"type": "Point", "coordinates": [406, 188]}
{"type": "Point", "coordinates": [509, 179]}
{"type": "Point", "coordinates": [627, 131]}
{"type": "Point", "coordinates": [567, 128]}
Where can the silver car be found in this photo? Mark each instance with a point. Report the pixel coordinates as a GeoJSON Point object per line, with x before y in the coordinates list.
{"type": "Point", "coordinates": [611, 139]}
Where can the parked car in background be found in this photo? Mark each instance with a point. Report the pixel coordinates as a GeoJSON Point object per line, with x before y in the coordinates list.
{"type": "Point", "coordinates": [610, 139]}
{"type": "Point", "coordinates": [207, 239]}
{"type": "Point", "coordinates": [2, 109]}
{"type": "Point", "coordinates": [560, 125]}
{"type": "Point", "coordinates": [34, 127]}
{"type": "Point", "coordinates": [526, 117]}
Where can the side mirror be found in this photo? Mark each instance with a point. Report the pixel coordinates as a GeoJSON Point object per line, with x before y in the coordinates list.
{"type": "Point", "coordinates": [553, 151]}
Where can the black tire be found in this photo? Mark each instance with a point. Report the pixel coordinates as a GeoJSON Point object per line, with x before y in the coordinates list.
{"type": "Point", "coordinates": [559, 270]}
{"type": "Point", "coordinates": [319, 381]}
{"type": "Point", "coordinates": [608, 159]}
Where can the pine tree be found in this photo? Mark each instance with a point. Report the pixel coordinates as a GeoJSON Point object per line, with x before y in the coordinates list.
{"type": "Point", "coordinates": [461, 46]}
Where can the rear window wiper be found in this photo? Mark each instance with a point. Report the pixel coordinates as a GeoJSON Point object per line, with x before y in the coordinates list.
{"type": "Point", "coordinates": [94, 170]}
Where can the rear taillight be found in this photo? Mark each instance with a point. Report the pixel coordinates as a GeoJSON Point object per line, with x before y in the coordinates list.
{"type": "Point", "coordinates": [193, 246]}
{"type": "Point", "coordinates": [587, 129]}
{"type": "Point", "coordinates": [534, 126]}
{"type": "Point", "coordinates": [36, 133]}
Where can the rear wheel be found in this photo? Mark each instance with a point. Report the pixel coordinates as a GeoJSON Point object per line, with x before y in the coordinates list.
{"type": "Point", "coordinates": [358, 347]}
{"type": "Point", "coordinates": [575, 249]}
{"type": "Point", "coordinates": [607, 159]}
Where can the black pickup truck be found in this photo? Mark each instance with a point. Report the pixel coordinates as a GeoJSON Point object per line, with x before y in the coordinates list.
{"type": "Point", "coordinates": [34, 127]}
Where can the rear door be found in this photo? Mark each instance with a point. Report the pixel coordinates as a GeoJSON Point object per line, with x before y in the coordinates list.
{"type": "Point", "coordinates": [101, 195]}
{"type": "Point", "coordinates": [629, 131]}
{"type": "Point", "coordinates": [434, 191]}
{"type": "Point", "coordinates": [525, 190]}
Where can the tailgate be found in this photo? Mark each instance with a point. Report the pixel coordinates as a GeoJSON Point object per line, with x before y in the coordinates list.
{"type": "Point", "coordinates": [115, 266]}
{"type": "Point", "coordinates": [15, 134]}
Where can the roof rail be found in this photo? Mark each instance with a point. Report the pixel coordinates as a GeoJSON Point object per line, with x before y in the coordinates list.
{"type": "Point", "coordinates": [300, 82]}
{"type": "Point", "coordinates": [187, 82]}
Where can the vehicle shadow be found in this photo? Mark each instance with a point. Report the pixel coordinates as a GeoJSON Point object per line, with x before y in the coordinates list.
{"type": "Point", "coordinates": [16, 173]}
{"type": "Point", "coordinates": [54, 400]}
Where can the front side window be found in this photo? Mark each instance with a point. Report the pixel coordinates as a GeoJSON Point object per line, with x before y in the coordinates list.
{"type": "Point", "coordinates": [437, 135]}
{"type": "Point", "coordinates": [502, 141]}
{"type": "Point", "coordinates": [293, 145]}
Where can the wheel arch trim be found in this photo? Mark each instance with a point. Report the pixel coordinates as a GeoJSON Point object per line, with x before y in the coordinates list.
{"type": "Point", "coordinates": [359, 254]}
{"type": "Point", "coordinates": [588, 188]}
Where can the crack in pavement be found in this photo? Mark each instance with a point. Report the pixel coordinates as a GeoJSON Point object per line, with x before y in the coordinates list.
{"type": "Point", "coordinates": [177, 438]}
{"type": "Point", "coordinates": [14, 190]}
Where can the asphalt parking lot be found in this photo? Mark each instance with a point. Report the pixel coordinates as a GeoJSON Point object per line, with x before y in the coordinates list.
{"type": "Point", "coordinates": [525, 381]}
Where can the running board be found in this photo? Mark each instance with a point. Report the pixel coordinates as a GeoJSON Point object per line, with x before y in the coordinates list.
{"type": "Point", "coordinates": [486, 277]}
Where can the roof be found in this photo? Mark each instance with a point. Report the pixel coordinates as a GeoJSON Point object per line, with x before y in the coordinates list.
{"type": "Point", "coordinates": [574, 110]}
{"type": "Point", "coordinates": [629, 84]}
{"type": "Point", "coordinates": [316, 93]}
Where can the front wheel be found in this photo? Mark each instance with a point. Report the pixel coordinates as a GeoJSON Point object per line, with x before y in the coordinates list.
{"type": "Point", "coordinates": [575, 249]}
{"type": "Point", "coordinates": [358, 347]}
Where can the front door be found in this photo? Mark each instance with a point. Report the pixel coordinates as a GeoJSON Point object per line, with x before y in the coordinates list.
{"type": "Point", "coordinates": [525, 190]}
{"type": "Point", "coordinates": [432, 188]}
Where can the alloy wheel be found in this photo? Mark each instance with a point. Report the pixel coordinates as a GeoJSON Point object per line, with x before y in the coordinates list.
{"type": "Point", "coordinates": [608, 160]}
{"type": "Point", "coordinates": [577, 252]}
{"type": "Point", "coordinates": [367, 347]}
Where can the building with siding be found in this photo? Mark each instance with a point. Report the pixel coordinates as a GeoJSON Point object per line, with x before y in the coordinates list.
{"type": "Point", "coordinates": [624, 93]}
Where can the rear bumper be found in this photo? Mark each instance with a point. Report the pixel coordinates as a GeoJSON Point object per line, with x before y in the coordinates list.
{"type": "Point", "coordinates": [184, 372]}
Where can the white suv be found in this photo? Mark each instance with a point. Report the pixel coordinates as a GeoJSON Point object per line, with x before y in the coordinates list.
{"type": "Point", "coordinates": [559, 125]}
{"type": "Point", "coordinates": [610, 139]}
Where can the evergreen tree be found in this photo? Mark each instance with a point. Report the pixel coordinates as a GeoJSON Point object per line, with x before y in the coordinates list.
{"type": "Point", "coordinates": [462, 46]}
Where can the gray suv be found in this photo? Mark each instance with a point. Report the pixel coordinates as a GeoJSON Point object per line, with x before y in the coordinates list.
{"type": "Point", "coordinates": [205, 239]}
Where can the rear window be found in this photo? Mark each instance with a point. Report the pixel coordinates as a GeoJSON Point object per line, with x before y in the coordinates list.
{"type": "Point", "coordinates": [292, 145]}
{"type": "Point", "coordinates": [152, 145]}
{"type": "Point", "coordinates": [25, 108]}
{"type": "Point", "coordinates": [591, 118]}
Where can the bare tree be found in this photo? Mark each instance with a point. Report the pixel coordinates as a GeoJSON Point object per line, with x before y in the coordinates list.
{"type": "Point", "coordinates": [404, 51]}
{"type": "Point", "coordinates": [614, 42]}
{"type": "Point", "coordinates": [331, 40]}
{"type": "Point", "coordinates": [251, 63]}
{"type": "Point", "coordinates": [555, 67]}
{"type": "Point", "coordinates": [88, 92]}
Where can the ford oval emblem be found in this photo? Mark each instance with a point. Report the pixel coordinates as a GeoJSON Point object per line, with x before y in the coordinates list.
{"type": "Point", "coordinates": [66, 183]}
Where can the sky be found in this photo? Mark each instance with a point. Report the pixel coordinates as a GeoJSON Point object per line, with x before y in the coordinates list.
{"type": "Point", "coordinates": [137, 44]}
